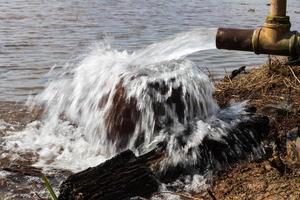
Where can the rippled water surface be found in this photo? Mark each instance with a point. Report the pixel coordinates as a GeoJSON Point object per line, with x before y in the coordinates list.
{"type": "Point", "coordinates": [36, 35]}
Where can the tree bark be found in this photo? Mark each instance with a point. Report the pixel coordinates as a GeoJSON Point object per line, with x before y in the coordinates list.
{"type": "Point", "coordinates": [122, 177]}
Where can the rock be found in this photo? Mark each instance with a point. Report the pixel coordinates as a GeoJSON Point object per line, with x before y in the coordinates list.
{"type": "Point", "coordinates": [123, 116]}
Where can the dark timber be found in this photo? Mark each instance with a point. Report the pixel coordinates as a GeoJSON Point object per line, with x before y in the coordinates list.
{"type": "Point", "coordinates": [121, 177]}
{"type": "Point", "coordinates": [125, 175]}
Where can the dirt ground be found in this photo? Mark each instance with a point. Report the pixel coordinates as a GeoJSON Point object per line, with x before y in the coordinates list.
{"type": "Point", "coordinates": [274, 89]}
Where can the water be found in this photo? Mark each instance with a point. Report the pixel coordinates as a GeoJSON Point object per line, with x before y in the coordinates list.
{"type": "Point", "coordinates": [163, 86]}
{"type": "Point", "coordinates": [113, 100]}
{"type": "Point", "coordinates": [86, 92]}
{"type": "Point", "coordinates": [35, 35]}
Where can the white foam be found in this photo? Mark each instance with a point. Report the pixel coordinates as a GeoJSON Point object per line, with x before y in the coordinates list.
{"type": "Point", "coordinates": [4, 125]}
{"type": "Point", "coordinates": [64, 147]}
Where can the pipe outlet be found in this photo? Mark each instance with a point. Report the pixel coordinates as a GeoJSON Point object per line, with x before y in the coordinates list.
{"type": "Point", "coordinates": [274, 37]}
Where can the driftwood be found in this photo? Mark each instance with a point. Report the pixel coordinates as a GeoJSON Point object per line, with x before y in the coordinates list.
{"type": "Point", "coordinates": [125, 175]}
{"type": "Point", "coordinates": [24, 170]}
{"type": "Point", "coordinates": [122, 177]}
{"type": "Point", "coordinates": [236, 72]}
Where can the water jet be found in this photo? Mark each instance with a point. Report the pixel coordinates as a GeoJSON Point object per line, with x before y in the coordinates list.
{"type": "Point", "coordinates": [274, 37]}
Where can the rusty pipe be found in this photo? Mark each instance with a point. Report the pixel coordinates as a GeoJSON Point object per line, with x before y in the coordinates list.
{"type": "Point", "coordinates": [237, 39]}
{"type": "Point", "coordinates": [278, 8]}
{"type": "Point", "coordinates": [274, 37]}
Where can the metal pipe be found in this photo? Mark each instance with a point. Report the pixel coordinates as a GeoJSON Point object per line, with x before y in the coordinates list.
{"type": "Point", "coordinates": [278, 8]}
{"type": "Point", "coordinates": [274, 37]}
{"type": "Point", "coordinates": [237, 39]}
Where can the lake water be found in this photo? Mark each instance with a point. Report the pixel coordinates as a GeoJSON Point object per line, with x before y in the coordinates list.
{"type": "Point", "coordinates": [38, 34]}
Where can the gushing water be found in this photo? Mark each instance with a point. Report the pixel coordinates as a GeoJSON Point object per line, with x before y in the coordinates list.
{"type": "Point", "coordinates": [112, 100]}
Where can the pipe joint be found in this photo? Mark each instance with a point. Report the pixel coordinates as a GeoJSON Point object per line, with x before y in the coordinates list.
{"type": "Point", "coordinates": [262, 40]}
{"type": "Point", "coordinates": [274, 37]}
{"type": "Point", "coordinates": [269, 41]}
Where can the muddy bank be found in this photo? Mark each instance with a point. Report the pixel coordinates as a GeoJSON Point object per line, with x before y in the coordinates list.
{"type": "Point", "coordinates": [274, 89]}
{"type": "Point", "coordinates": [14, 117]}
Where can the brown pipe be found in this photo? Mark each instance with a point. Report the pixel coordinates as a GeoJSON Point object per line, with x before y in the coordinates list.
{"type": "Point", "coordinates": [278, 8]}
{"type": "Point", "coordinates": [274, 37]}
{"type": "Point", "coordinates": [234, 39]}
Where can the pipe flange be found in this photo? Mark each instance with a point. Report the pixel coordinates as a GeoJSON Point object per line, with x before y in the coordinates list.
{"type": "Point", "coordinates": [277, 22]}
{"type": "Point", "coordinates": [294, 48]}
{"type": "Point", "coordinates": [255, 40]}
{"type": "Point", "coordinates": [277, 26]}
{"type": "Point", "coordinates": [278, 19]}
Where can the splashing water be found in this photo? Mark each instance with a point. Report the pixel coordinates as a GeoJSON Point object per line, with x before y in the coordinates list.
{"type": "Point", "coordinates": [161, 94]}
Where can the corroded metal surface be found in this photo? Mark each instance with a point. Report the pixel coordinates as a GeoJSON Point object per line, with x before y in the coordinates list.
{"type": "Point", "coordinates": [234, 39]}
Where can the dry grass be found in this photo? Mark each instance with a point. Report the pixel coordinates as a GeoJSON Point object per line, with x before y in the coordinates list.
{"type": "Point", "coordinates": [274, 89]}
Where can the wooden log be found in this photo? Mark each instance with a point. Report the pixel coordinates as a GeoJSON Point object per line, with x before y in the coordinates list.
{"type": "Point", "coordinates": [122, 177]}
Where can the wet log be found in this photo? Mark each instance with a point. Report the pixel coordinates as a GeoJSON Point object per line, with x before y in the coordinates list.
{"type": "Point", "coordinates": [122, 177]}
{"type": "Point", "coordinates": [242, 140]}
{"type": "Point", "coordinates": [125, 175]}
